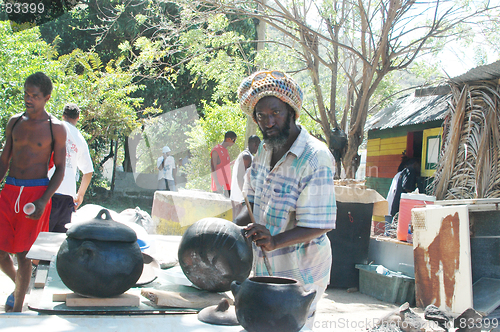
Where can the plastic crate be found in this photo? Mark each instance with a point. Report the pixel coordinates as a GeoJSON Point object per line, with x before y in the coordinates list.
{"type": "Point", "coordinates": [388, 288]}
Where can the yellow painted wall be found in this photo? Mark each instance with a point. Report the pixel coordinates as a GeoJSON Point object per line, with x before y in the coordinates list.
{"type": "Point", "coordinates": [428, 132]}
{"type": "Point", "coordinates": [385, 146]}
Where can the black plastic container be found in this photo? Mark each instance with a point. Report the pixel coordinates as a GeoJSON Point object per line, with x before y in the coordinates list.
{"type": "Point", "coordinates": [350, 241]}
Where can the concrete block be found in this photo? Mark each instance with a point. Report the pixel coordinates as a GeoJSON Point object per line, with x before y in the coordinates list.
{"type": "Point", "coordinates": [173, 212]}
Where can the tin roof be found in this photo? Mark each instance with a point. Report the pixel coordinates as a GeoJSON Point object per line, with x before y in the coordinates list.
{"type": "Point", "coordinates": [410, 110]}
{"type": "Point", "coordinates": [481, 73]}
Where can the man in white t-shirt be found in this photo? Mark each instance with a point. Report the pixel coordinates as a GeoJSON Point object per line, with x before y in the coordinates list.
{"type": "Point", "coordinates": [66, 199]}
{"type": "Point", "coordinates": [241, 164]}
{"type": "Point", "coordinates": [166, 167]}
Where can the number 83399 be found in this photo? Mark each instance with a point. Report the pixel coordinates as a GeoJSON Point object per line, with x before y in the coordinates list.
{"type": "Point", "coordinates": [12, 7]}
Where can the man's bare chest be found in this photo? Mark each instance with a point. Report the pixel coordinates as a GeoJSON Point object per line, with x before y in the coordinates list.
{"type": "Point", "coordinates": [35, 135]}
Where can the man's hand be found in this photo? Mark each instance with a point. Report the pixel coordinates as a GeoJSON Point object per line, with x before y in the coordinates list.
{"type": "Point", "coordinates": [78, 201]}
{"type": "Point", "coordinates": [39, 208]}
{"type": "Point", "coordinates": [261, 236]}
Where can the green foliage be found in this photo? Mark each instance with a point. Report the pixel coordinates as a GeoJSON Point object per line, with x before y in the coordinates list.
{"type": "Point", "coordinates": [208, 132]}
{"type": "Point", "coordinates": [148, 33]}
{"type": "Point", "coordinates": [102, 90]}
{"type": "Point", "coordinates": [216, 56]}
{"type": "Point", "coordinates": [103, 93]}
{"type": "Point", "coordinates": [22, 54]}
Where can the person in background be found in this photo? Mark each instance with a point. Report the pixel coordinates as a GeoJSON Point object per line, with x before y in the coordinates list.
{"type": "Point", "coordinates": [407, 182]}
{"type": "Point", "coordinates": [394, 184]}
{"type": "Point", "coordinates": [289, 186]}
{"type": "Point", "coordinates": [241, 164]}
{"type": "Point", "coordinates": [31, 138]}
{"type": "Point", "coordinates": [166, 167]}
{"type": "Point", "coordinates": [221, 165]}
{"type": "Point", "coordinates": [67, 199]}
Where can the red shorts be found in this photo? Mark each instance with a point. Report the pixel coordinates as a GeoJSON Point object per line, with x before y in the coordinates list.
{"type": "Point", "coordinates": [18, 233]}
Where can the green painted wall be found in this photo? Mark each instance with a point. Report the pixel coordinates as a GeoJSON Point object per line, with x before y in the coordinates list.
{"type": "Point", "coordinates": [381, 185]}
{"type": "Point", "coordinates": [401, 131]}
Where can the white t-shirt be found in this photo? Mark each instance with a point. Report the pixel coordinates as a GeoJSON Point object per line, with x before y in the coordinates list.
{"type": "Point", "coordinates": [77, 158]}
{"type": "Point", "coordinates": [168, 166]}
{"type": "Point", "coordinates": [392, 191]}
{"type": "Point", "coordinates": [238, 176]}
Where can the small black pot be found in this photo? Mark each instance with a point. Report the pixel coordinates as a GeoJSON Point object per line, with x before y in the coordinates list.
{"type": "Point", "coordinates": [100, 257]}
{"type": "Point", "coordinates": [214, 252]}
{"type": "Point", "coordinates": [271, 304]}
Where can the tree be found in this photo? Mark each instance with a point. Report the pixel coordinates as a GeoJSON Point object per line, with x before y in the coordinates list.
{"type": "Point", "coordinates": [340, 50]}
{"type": "Point", "coordinates": [351, 46]}
{"type": "Point", "coordinates": [103, 91]}
{"type": "Point", "coordinates": [22, 54]}
{"type": "Point", "coordinates": [170, 81]}
{"type": "Point", "coordinates": [104, 27]}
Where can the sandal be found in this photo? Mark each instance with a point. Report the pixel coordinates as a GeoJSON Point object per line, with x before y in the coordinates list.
{"type": "Point", "coordinates": [9, 305]}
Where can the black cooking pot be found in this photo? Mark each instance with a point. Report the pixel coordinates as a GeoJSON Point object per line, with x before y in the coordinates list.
{"type": "Point", "coordinates": [271, 304]}
{"type": "Point", "coordinates": [100, 257]}
{"type": "Point", "coordinates": [214, 252]}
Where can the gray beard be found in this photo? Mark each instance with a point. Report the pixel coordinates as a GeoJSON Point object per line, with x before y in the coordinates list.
{"type": "Point", "coordinates": [276, 142]}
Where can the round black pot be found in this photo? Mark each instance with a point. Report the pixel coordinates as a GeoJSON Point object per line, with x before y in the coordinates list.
{"type": "Point", "coordinates": [100, 257]}
{"type": "Point", "coordinates": [213, 253]}
{"type": "Point", "coordinates": [271, 304]}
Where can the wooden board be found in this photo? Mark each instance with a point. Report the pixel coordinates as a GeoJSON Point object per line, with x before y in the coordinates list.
{"type": "Point", "coordinates": [380, 209]}
{"type": "Point", "coordinates": [197, 300]}
{"type": "Point", "coordinates": [46, 246]}
{"type": "Point", "coordinates": [59, 297]}
{"type": "Point", "coordinates": [123, 300]}
{"type": "Point", "coordinates": [442, 257]}
{"type": "Point", "coordinates": [42, 272]}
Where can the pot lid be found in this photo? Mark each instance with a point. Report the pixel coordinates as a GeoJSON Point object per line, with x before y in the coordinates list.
{"type": "Point", "coordinates": [102, 228]}
{"type": "Point", "coordinates": [221, 314]}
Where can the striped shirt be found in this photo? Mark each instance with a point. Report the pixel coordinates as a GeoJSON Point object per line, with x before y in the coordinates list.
{"type": "Point", "coordinates": [298, 191]}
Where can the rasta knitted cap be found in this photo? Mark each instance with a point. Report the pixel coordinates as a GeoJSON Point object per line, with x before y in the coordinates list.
{"type": "Point", "coordinates": [269, 83]}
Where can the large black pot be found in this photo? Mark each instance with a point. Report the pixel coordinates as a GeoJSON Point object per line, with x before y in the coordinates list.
{"type": "Point", "coordinates": [100, 257]}
{"type": "Point", "coordinates": [271, 304]}
{"type": "Point", "coordinates": [213, 252]}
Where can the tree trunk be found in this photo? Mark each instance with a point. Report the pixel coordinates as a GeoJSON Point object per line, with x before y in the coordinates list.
{"type": "Point", "coordinates": [130, 146]}
{"type": "Point", "coordinates": [251, 128]}
{"type": "Point", "coordinates": [110, 154]}
{"type": "Point", "coordinates": [352, 159]}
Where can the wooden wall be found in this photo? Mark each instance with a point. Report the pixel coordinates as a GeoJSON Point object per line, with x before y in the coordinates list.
{"type": "Point", "coordinates": [383, 156]}
{"type": "Point", "coordinates": [384, 151]}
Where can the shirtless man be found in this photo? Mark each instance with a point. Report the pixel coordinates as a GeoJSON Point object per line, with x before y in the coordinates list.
{"type": "Point", "coordinates": [30, 139]}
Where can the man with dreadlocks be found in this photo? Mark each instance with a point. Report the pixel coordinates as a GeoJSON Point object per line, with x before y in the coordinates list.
{"type": "Point", "coordinates": [290, 187]}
